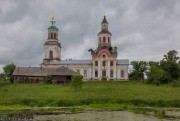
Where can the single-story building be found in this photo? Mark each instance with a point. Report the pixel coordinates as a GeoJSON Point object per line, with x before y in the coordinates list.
{"type": "Point", "coordinates": [37, 74]}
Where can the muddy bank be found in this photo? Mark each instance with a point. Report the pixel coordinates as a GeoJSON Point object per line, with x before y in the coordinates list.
{"type": "Point", "coordinates": [102, 116]}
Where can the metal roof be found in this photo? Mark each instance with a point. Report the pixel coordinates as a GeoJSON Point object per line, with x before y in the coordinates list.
{"type": "Point", "coordinates": [65, 62]}
{"type": "Point", "coordinates": [123, 61]}
{"type": "Point", "coordinates": [72, 62]}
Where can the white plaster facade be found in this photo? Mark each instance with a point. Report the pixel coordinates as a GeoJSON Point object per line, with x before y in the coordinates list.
{"type": "Point", "coordinates": [103, 65]}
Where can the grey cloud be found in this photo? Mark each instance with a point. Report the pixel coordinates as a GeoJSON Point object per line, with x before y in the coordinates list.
{"type": "Point", "coordinates": [142, 29]}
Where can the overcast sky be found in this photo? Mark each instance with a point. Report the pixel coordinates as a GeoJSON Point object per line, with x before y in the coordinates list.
{"type": "Point", "coordinates": [141, 29]}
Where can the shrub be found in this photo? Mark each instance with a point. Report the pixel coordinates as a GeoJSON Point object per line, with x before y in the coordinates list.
{"type": "Point", "coordinates": [160, 113]}
{"type": "Point", "coordinates": [104, 79]}
{"type": "Point", "coordinates": [48, 79]}
{"type": "Point", "coordinates": [76, 82]}
{"type": "Point", "coordinates": [3, 80]}
{"type": "Point", "coordinates": [176, 83]}
{"type": "Point", "coordinates": [25, 80]}
{"type": "Point", "coordinates": [4, 83]}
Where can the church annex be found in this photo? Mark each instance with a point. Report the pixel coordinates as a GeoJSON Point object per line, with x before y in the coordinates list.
{"type": "Point", "coordinates": [103, 65]}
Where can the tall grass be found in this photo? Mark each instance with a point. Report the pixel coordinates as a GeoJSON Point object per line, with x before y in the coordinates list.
{"type": "Point", "coordinates": [128, 93]}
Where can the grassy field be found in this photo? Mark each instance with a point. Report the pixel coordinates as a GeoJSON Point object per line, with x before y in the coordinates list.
{"type": "Point", "coordinates": [102, 93]}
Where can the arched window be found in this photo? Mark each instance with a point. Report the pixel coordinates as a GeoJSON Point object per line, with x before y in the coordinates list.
{"type": "Point", "coordinates": [54, 35]}
{"type": "Point", "coordinates": [103, 73]}
{"type": "Point", "coordinates": [111, 63]}
{"type": "Point", "coordinates": [51, 54]}
{"type": "Point", "coordinates": [104, 39]}
{"type": "Point", "coordinates": [111, 73]}
{"type": "Point", "coordinates": [122, 73]}
{"type": "Point", "coordinates": [96, 63]}
{"type": "Point", "coordinates": [85, 73]}
{"type": "Point", "coordinates": [51, 35]}
{"type": "Point", "coordinates": [96, 73]}
{"type": "Point", "coordinates": [108, 39]}
{"type": "Point", "coordinates": [104, 63]}
{"type": "Point", "coordinates": [99, 39]}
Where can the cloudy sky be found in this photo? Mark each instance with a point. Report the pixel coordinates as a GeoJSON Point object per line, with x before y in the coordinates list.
{"type": "Point", "coordinates": [141, 29]}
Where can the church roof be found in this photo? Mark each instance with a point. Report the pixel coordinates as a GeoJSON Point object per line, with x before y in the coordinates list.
{"type": "Point", "coordinates": [65, 62]}
{"type": "Point", "coordinates": [123, 61]}
{"type": "Point", "coordinates": [63, 71]}
{"type": "Point", "coordinates": [39, 71]}
{"type": "Point", "coordinates": [52, 43]}
{"type": "Point", "coordinates": [81, 62]}
{"type": "Point", "coordinates": [104, 32]}
{"type": "Point", "coordinates": [52, 27]}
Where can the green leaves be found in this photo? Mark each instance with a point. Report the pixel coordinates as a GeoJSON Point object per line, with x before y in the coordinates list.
{"type": "Point", "coordinates": [8, 71]}
{"type": "Point", "coordinates": [76, 82]}
{"type": "Point", "coordinates": [139, 68]}
{"type": "Point", "coordinates": [171, 56]}
{"type": "Point", "coordinates": [165, 71]}
{"type": "Point", "coordinates": [48, 79]}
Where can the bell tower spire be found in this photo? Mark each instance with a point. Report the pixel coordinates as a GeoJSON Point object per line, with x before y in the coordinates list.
{"type": "Point", "coordinates": [52, 46]}
{"type": "Point", "coordinates": [104, 24]}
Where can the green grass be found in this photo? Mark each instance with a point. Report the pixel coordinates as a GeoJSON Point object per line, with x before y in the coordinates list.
{"type": "Point", "coordinates": [93, 94]}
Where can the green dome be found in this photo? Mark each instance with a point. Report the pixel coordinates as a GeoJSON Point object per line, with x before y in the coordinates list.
{"type": "Point", "coordinates": [52, 27]}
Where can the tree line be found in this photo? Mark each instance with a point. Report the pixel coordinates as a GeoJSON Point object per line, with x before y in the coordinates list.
{"type": "Point", "coordinates": [164, 71]}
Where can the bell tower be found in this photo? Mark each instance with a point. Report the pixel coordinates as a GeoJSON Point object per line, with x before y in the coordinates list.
{"type": "Point", "coordinates": [104, 35]}
{"type": "Point", "coordinates": [52, 46]}
{"type": "Point", "coordinates": [104, 57]}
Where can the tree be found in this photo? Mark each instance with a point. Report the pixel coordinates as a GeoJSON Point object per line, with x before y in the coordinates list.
{"type": "Point", "coordinates": [156, 75]}
{"type": "Point", "coordinates": [76, 82]}
{"type": "Point", "coordinates": [8, 71]}
{"type": "Point", "coordinates": [153, 63]}
{"type": "Point", "coordinates": [139, 68]}
{"type": "Point", "coordinates": [171, 56]}
{"type": "Point", "coordinates": [172, 69]}
{"type": "Point", "coordinates": [165, 71]}
{"type": "Point", "coordinates": [171, 65]}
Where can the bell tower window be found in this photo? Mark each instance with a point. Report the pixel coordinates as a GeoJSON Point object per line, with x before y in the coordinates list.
{"type": "Point", "coordinates": [51, 35]}
{"type": "Point", "coordinates": [54, 35]}
{"type": "Point", "coordinates": [108, 39]}
{"type": "Point", "coordinates": [51, 54]}
{"type": "Point", "coordinates": [104, 39]}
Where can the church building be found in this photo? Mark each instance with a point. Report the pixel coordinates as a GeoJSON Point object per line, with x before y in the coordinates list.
{"type": "Point", "coordinates": [103, 65]}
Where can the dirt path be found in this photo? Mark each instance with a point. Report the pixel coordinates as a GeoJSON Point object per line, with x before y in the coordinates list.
{"type": "Point", "coordinates": [100, 116]}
